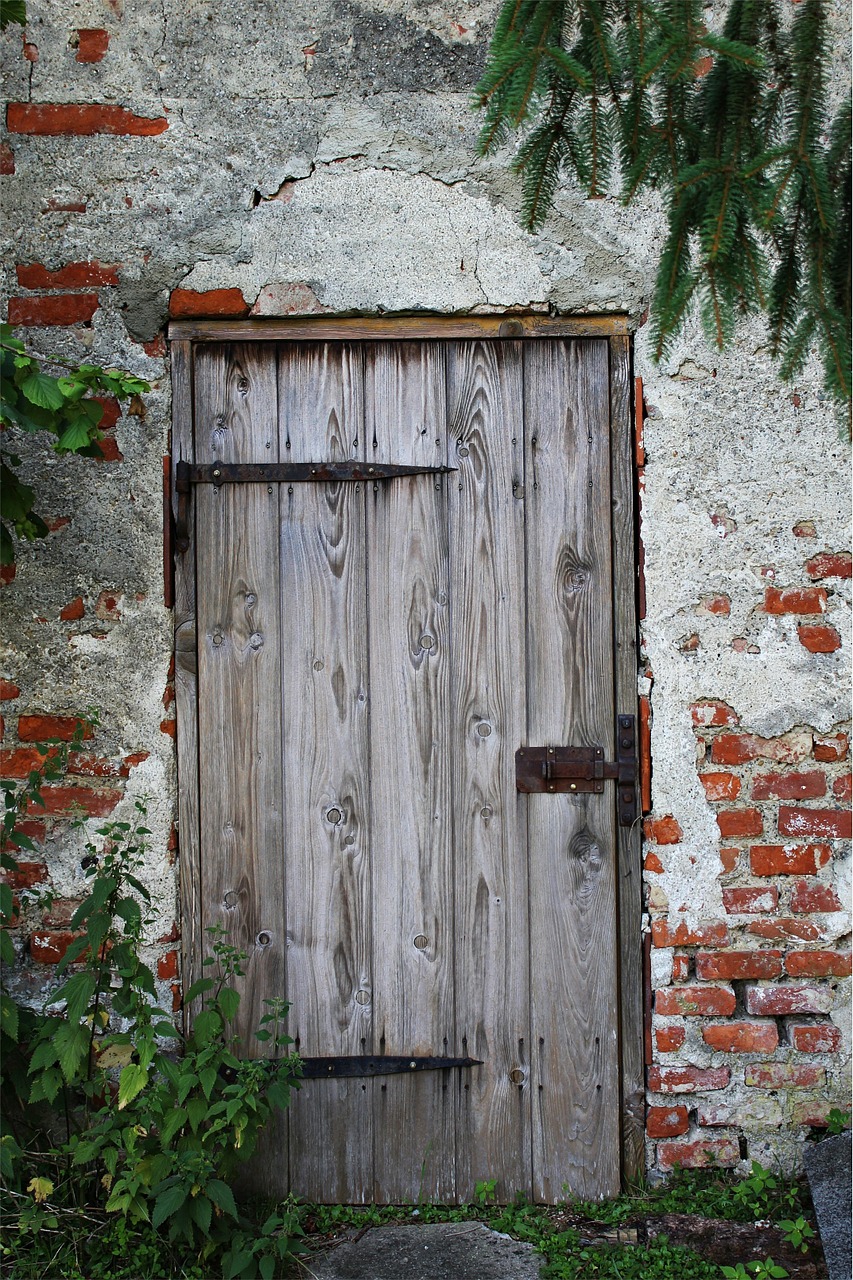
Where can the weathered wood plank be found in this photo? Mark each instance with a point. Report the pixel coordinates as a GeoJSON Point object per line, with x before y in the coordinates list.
{"type": "Point", "coordinates": [625, 682]}
{"type": "Point", "coordinates": [240, 796]}
{"type": "Point", "coordinates": [186, 672]}
{"type": "Point", "coordinates": [571, 839]}
{"type": "Point", "coordinates": [398, 328]}
{"type": "Point", "coordinates": [410, 771]}
{"type": "Point", "coordinates": [486, 523]}
{"type": "Point", "coordinates": [326, 761]}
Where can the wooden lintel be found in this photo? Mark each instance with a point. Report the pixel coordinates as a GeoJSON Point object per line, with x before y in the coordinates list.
{"type": "Point", "coordinates": [415, 327]}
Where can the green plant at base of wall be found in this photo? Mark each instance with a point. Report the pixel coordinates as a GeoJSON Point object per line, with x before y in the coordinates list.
{"type": "Point", "coordinates": [109, 1109]}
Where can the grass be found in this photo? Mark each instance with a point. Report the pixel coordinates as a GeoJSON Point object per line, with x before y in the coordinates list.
{"type": "Point", "coordinates": [92, 1246]}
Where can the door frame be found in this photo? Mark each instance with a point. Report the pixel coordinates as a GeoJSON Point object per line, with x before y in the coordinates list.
{"type": "Point", "coordinates": [183, 334]}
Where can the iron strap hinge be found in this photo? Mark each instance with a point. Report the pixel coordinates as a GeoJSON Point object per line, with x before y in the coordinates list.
{"type": "Point", "coordinates": [575, 770]}
{"type": "Point", "coordinates": [218, 473]}
{"type": "Point", "coordinates": [378, 1065]}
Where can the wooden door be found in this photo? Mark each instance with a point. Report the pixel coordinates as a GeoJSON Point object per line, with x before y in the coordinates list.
{"type": "Point", "coordinates": [357, 665]}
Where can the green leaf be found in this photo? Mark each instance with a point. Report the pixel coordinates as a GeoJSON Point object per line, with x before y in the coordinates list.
{"type": "Point", "coordinates": [229, 1002]}
{"type": "Point", "coordinates": [43, 390]}
{"type": "Point", "coordinates": [207, 1076]}
{"type": "Point", "coordinates": [173, 1122]}
{"type": "Point", "coordinates": [12, 11]}
{"type": "Point", "coordinates": [266, 1266]}
{"type": "Point", "coordinates": [72, 1045]}
{"type": "Point", "coordinates": [196, 1111]}
{"type": "Point", "coordinates": [199, 988]}
{"type": "Point", "coordinates": [167, 1203]}
{"type": "Point", "coordinates": [221, 1195]}
{"type": "Point", "coordinates": [9, 1016]}
{"type": "Point", "coordinates": [132, 1081]}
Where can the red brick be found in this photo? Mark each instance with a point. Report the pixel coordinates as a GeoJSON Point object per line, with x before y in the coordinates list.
{"type": "Point", "coordinates": [43, 728]}
{"type": "Point", "coordinates": [729, 858]}
{"type": "Point", "coordinates": [820, 1037]}
{"type": "Point", "coordinates": [73, 611]}
{"type": "Point", "coordinates": [720, 605]}
{"type": "Point", "coordinates": [804, 529]}
{"type": "Point", "coordinates": [720, 786]}
{"type": "Point", "coordinates": [7, 573]}
{"type": "Point", "coordinates": [728, 965]}
{"type": "Point", "coordinates": [8, 690]}
{"type": "Point", "coordinates": [30, 50]}
{"type": "Point", "coordinates": [798, 600]}
{"type": "Point", "coordinates": [667, 1122]}
{"type": "Point", "coordinates": [111, 414]}
{"type": "Point", "coordinates": [74, 275]}
{"type": "Point", "coordinates": [173, 935]}
{"type": "Point", "coordinates": [27, 874]}
{"type": "Point", "coordinates": [814, 897]}
{"type": "Point", "coordinates": [712, 934]}
{"type": "Point", "coordinates": [813, 1112]}
{"type": "Point", "coordinates": [783, 1075]}
{"type": "Point", "coordinates": [830, 564]}
{"type": "Point", "coordinates": [738, 748]}
{"type": "Point", "coordinates": [742, 1037]}
{"type": "Point", "coordinates": [80, 119]}
{"type": "Point", "coordinates": [777, 1002]}
{"type": "Point", "coordinates": [82, 764]}
{"type": "Point", "coordinates": [749, 901]}
{"type": "Point", "coordinates": [833, 747]}
{"type": "Point", "coordinates": [652, 862]}
{"type": "Point", "coordinates": [58, 309]}
{"type": "Point", "coordinates": [92, 44]}
{"type": "Point", "coordinates": [107, 606]}
{"type": "Point", "coordinates": [187, 303]}
{"type": "Point", "coordinates": [734, 823]}
{"type": "Point", "coordinates": [687, 1079]}
{"type": "Point", "coordinates": [692, 1002]}
{"type": "Point", "coordinates": [669, 1039]}
{"type": "Point", "coordinates": [62, 206]}
{"type": "Point", "coordinates": [819, 639]}
{"type": "Point", "coordinates": [20, 762]}
{"type": "Point", "coordinates": [644, 753]}
{"type": "Point", "coordinates": [169, 727]}
{"type": "Point", "coordinates": [66, 799]}
{"type": "Point", "coordinates": [48, 946]}
{"type": "Point", "coordinates": [7, 159]}
{"type": "Point", "coordinates": [788, 860]}
{"type": "Point", "coordinates": [710, 715]}
{"type": "Point", "coordinates": [825, 824]}
{"type": "Point", "coordinates": [177, 997]}
{"type": "Point", "coordinates": [135, 758]}
{"type": "Point", "coordinates": [818, 964]}
{"type": "Point", "coordinates": [808, 785]}
{"type": "Point", "coordinates": [708, 1152]}
{"type": "Point", "coordinates": [60, 913]}
{"type": "Point", "coordinates": [842, 788]}
{"type": "Point", "coordinates": [779, 929]}
{"type": "Point", "coordinates": [167, 965]}
{"type": "Point", "coordinates": [156, 348]}
{"type": "Point", "coordinates": [110, 451]}
{"type": "Point", "coordinates": [689, 644]}
{"type": "Point", "coordinates": [680, 967]}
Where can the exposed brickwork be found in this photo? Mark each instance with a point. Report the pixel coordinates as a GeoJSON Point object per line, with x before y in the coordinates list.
{"type": "Point", "coordinates": [65, 119]}
{"type": "Point", "coordinates": [74, 275]}
{"type": "Point", "coordinates": [54, 309]}
{"type": "Point", "coordinates": [759, 987]}
{"type": "Point", "coordinates": [796, 600]}
{"type": "Point", "coordinates": [187, 303]}
{"type": "Point", "coordinates": [92, 44]}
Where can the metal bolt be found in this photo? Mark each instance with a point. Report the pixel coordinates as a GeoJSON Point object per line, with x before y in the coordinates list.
{"type": "Point", "coordinates": [217, 473]}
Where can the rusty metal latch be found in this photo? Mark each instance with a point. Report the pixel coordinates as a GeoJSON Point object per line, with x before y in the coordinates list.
{"type": "Point", "coordinates": [583, 769]}
{"type": "Point", "coordinates": [218, 473]}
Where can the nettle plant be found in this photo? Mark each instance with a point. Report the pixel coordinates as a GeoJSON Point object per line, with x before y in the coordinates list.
{"type": "Point", "coordinates": [65, 404]}
{"type": "Point", "coordinates": [108, 1105]}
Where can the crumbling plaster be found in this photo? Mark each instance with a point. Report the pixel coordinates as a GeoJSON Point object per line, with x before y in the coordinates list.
{"type": "Point", "coordinates": [324, 153]}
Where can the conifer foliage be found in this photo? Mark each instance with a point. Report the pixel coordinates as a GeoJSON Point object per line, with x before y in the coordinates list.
{"type": "Point", "coordinates": [733, 126]}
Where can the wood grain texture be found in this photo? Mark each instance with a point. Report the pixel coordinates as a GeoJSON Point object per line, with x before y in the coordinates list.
{"type": "Point", "coordinates": [398, 328]}
{"type": "Point", "coordinates": [410, 771]}
{"type": "Point", "coordinates": [326, 762]}
{"type": "Point", "coordinates": [625, 684]}
{"type": "Point", "coordinates": [571, 839]}
{"type": "Point", "coordinates": [486, 537]}
{"type": "Point", "coordinates": [240, 793]}
{"type": "Point", "coordinates": [186, 690]}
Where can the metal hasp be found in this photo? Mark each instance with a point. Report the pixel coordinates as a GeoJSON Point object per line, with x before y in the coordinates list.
{"type": "Point", "coordinates": [584, 769]}
{"type": "Point", "coordinates": [218, 473]}
{"type": "Point", "coordinates": [384, 1065]}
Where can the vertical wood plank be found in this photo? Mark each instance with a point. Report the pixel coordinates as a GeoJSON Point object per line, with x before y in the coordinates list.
{"type": "Point", "coordinates": [411, 839]}
{"type": "Point", "coordinates": [325, 739]}
{"type": "Point", "coordinates": [571, 839]}
{"type": "Point", "coordinates": [625, 682]}
{"type": "Point", "coordinates": [186, 675]}
{"type": "Point", "coordinates": [240, 794]}
{"type": "Point", "coordinates": [486, 522]}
